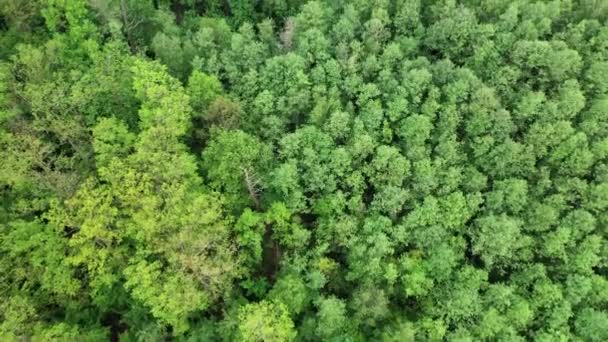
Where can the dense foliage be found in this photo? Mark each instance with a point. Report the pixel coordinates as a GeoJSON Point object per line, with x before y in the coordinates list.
{"type": "Point", "coordinates": [278, 170]}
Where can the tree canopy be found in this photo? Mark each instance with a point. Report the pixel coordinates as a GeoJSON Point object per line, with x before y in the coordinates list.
{"type": "Point", "coordinates": [294, 170]}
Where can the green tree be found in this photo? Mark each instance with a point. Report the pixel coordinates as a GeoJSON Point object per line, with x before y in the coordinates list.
{"type": "Point", "coordinates": [265, 321]}
{"type": "Point", "coordinates": [236, 164]}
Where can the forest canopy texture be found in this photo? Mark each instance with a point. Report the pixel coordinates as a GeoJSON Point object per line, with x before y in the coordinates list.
{"type": "Point", "coordinates": [290, 170]}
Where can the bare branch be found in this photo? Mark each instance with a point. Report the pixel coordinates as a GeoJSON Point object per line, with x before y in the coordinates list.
{"type": "Point", "coordinates": [253, 186]}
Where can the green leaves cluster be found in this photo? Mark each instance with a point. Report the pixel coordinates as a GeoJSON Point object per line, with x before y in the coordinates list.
{"type": "Point", "coordinates": [393, 170]}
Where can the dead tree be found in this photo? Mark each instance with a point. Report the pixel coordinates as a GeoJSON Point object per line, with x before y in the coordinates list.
{"type": "Point", "coordinates": [129, 23]}
{"type": "Point", "coordinates": [286, 36]}
{"type": "Point", "coordinates": [253, 186]}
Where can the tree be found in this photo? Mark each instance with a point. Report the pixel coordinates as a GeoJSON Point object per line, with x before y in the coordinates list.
{"type": "Point", "coordinates": [203, 90]}
{"type": "Point", "coordinates": [112, 139]}
{"type": "Point", "coordinates": [497, 238]}
{"type": "Point", "coordinates": [236, 164]}
{"type": "Point", "coordinates": [331, 318]}
{"type": "Point", "coordinates": [265, 321]}
{"type": "Point", "coordinates": [291, 290]}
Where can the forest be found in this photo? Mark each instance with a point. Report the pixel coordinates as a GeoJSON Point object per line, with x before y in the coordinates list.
{"type": "Point", "coordinates": [293, 170]}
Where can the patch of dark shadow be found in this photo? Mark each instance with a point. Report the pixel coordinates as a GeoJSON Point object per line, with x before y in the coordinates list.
{"type": "Point", "coordinates": [308, 220]}
{"type": "Point", "coordinates": [271, 256]}
{"type": "Point", "coordinates": [112, 320]}
{"type": "Point", "coordinates": [178, 8]}
{"type": "Point", "coordinates": [150, 54]}
{"type": "Point", "coordinates": [412, 308]}
{"type": "Point", "coordinates": [473, 258]}
{"type": "Point", "coordinates": [68, 231]}
{"type": "Point", "coordinates": [500, 275]}
{"type": "Point", "coordinates": [368, 195]}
